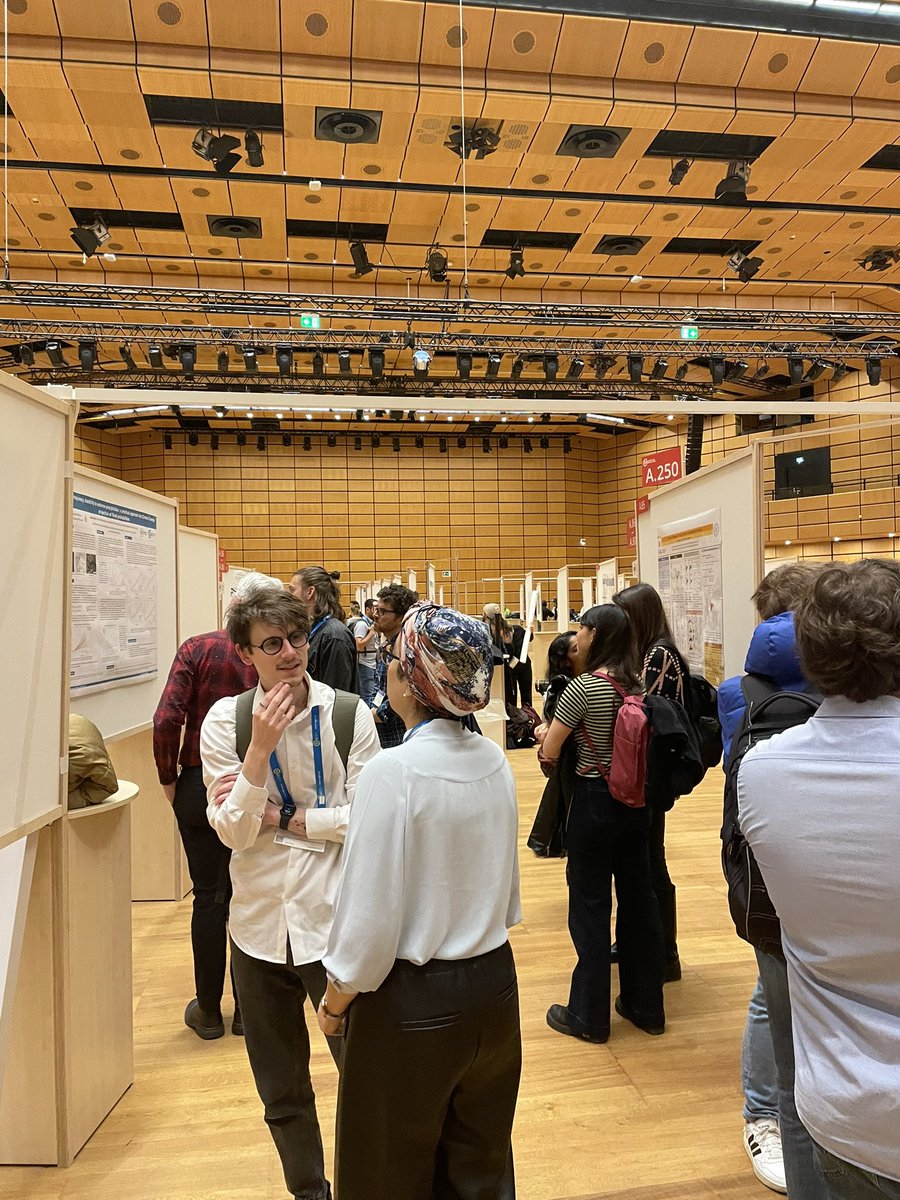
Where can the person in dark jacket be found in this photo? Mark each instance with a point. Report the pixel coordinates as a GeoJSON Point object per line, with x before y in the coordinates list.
{"type": "Point", "coordinates": [332, 647]}
{"type": "Point", "coordinates": [780, 1149]}
{"type": "Point", "coordinates": [547, 837]}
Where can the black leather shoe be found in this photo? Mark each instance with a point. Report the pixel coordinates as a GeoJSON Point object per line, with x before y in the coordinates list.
{"type": "Point", "coordinates": [672, 970]}
{"type": "Point", "coordinates": [206, 1025]}
{"type": "Point", "coordinates": [654, 1030]}
{"type": "Point", "coordinates": [558, 1019]}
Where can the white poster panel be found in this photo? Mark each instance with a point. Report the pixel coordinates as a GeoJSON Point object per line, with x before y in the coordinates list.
{"type": "Point", "coordinates": [411, 580]}
{"type": "Point", "coordinates": [689, 556]}
{"type": "Point", "coordinates": [562, 600]}
{"type": "Point", "coordinates": [533, 602]}
{"type": "Point", "coordinates": [115, 614]}
{"type": "Point", "coordinates": [430, 585]}
{"type": "Point", "coordinates": [587, 597]}
{"type": "Point", "coordinates": [607, 580]}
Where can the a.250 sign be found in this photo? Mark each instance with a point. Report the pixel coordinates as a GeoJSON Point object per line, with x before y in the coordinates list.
{"type": "Point", "coordinates": [662, 467]}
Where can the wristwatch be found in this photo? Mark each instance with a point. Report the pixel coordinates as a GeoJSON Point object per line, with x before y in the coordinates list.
{"type": "Point", "coordinates": [287, 811]}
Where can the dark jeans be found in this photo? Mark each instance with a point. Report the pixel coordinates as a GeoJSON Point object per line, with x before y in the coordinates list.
{"type": "Point", "coordinates": [606, 841]}
{"type": "Point", "coordinates": [208, 863]}
{"type": "Point", "coordinates": [663, 886]}
{"type": "Point", "coordinates": [273, 996]}
{"type": "Point", "coordinates": [801, 1164]}
{"type": "Point", "coordinates": [853, 1183]}
{"type": "Point", "coordinates": [429, 1084]}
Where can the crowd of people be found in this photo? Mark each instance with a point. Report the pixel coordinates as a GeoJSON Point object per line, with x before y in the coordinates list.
{"type": "Point", "coordinates": [355, 840]}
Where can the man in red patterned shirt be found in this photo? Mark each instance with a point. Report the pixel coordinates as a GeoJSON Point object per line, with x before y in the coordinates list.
{"type": "Point", "coordinates": [206, 669]}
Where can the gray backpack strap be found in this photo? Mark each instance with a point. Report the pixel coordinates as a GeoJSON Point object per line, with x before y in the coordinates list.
{"type": "Point", "coordinates": [343, 721]}
{"type": "Point", "coordinates": [243, 722]}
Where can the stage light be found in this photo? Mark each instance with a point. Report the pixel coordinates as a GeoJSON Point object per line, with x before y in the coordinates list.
{"type": "Point", "coordinates": [873, 370]}
{"type": "Point", "coordinates": [90, 235]}
{"type": "Point", "coordinates": [745, 268]}
{"type": "Point", "coordinates": [154, 357]}
{"type": "Point", "coordinates": [464, 363]}
{"type": "Point", "coordinates": [217, 150]}
{"type": "Point", "coordinates": [515, 270]}
{"type": "Point", "coordinates": [442, 445]}
{"type": "Point", "coordinates": [25, 356]}
{"type": "Point", "coordinates": [838, 372]}
{"type": "Point", "coordinates": [682, 371]}
{"type": "Point", "coordinates": [419, 441]}
{"type": "Point", "coordinates": [493, 365]}
{"type": "Point", "coordinates": [816, 370]}
{"type": "Point", "coordinates": [332, 440]}
{"type": "Point", "coordinates": [251, 366]}
{"type": "Point", "coordinates": [193, 439]}
{"type": "Point", "coordinates": [344, 363]}
{"type": "Point", "coordinates": [480, 139]}
{"type": "Point", "coordinates": [679, 171]}
{"type": "Point", "coordinates": [544, 442]}
{"type": "Point", "coordinates": [167, 441]}
{"type": "Point", "coordinates": [795, 369]}
{"type": "Point", "coordinates": [214, 441]}
{"type": "Point", "coordinates": [545, 418]}
{"type": "Point", "coordinates": [659, 368]}
{"type": "Point", "coordinates": [602, 363]}
{"type": "Point", "coordinates": [284, 359]}
{"type": "Point", "coordinates": [307, 443]}
{"type": "Point", "coordinates": [436, 265]}
{"type": "Point", "coordinates": [515, 373]}
{"type": "Point", "coordinates": [717, 369]}
{"type": "Point", "coordinates": [187, 356]}
{"type": "Point", "coordinates": [635, 367]}
{"type": "Point", "coordinates": [576, 366]}
{"type": "Point", "coordinates": [461, 442]}
{"type": "Point", "coordinates": [421, 360]}
{"type": "Point", "coordinates": [395, 445]}
{"type": "Point", "coordinates": [253, 148]}
{"type": "Point", "coordinates": [527, 446]}
{"type": "Point", "coordinates": [736, 370]}
{"type": "Point", "coordinates": [87, 355]}
{"type": "Point", "coordinates": [318, 365]}
{"type": "Point", "coordinates": [376, 441]}
{"type": "Point", "coordinates": [551, 367]}
{"type": "Point", "coordinates": [734, 186]}
{"type": "Point", "coordinates": [242, 438]}
{"type": "Point", "coordinates": [287, 440]}
{"type": "Point", "coordinates": [504, 442]}
{"type": "Point", "coordinates": [879, 260]}
{"type": "Point", "coordinates": [360, 260]}
{"type": "Point", "coordinates": [127, 358]}
{"type": "Point", "coordinates": [485, 445]}
{"type": "Point", "coordinates": [760, 373]}
{"type": "Point", "coordinates": [357, 443]}
{"type": "Point", "coordinates": [567, 445]}
{"type": "Point", "coordinates": [376, 363]}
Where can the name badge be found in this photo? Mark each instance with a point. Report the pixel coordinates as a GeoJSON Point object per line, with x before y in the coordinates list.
{"type": "Point", "coordinates": [378, 700]}
{"type": "Point", "coordinates": [284, 838]}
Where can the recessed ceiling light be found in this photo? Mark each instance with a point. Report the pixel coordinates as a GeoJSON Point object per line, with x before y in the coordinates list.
{"type": "Point", "coordinates": [837, 539]}
{"type": "Point", "coordinates": [788, 542]}
{"type": "Point", "coordinates": [670, 417]}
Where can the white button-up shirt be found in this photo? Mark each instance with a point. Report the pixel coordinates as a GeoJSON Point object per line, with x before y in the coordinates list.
{"type": "Point", "coordinates": [282, 891]}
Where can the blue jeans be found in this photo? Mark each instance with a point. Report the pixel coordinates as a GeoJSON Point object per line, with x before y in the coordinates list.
{"type": "Point", "coordinates": [801, 1163]}
{"type": "Point", "coordinates": [366, 682]}
{"type": "Point", "coordinates": [758, 1075]}
{"type": "Point", "coordinates": [853, 1183]}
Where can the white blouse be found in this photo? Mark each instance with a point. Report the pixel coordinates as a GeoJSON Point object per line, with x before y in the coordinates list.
{"type": "Point", "coordinates": [430, 867]}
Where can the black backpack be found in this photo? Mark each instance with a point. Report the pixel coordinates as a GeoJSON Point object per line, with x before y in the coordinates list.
{"type": "Point", "coordinates": [769, 711]}
{"type": "Point", "coordinates": [674, 765]}
{"type": "Point", "coordinates": [702, 702]}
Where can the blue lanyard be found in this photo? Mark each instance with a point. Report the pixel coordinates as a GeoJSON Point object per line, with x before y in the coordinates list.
{"type": "Point", "coordinates": [288, 807]}
{"type": "Point", "coordinates": [315, 629]}
{"type": "Point", "coordinates": [411, 733]}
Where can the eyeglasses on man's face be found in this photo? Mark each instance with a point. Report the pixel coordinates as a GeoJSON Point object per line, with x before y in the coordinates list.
{"type": "Point", "coordinates": [272, 645]}
{"type": "Point", "coordinates": [380, 611]}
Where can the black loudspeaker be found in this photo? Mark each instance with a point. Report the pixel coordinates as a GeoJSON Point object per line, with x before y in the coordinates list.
{"type": "Point", "coordinates": [693, 450]}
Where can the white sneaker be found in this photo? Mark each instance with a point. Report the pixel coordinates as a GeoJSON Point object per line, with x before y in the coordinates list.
{"type": "Point", "coordinates": [762, 1141]}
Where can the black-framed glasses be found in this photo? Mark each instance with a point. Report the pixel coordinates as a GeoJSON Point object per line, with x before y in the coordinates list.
{"type": "Point", "coordinates": [272, 645]}
{"type": "Point", "coordinates": [384, 612]}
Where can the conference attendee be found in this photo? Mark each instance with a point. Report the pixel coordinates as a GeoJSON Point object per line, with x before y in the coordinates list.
{"type": "Point", "coordinates": [364, 633]}
{"type": "Point", "coordinates": [355, 612]}
{"type": "Point", "coordinates": [420, 969]}
{"type": "Point", "coordinates": [517, 671]}
{"type": "Point", "coordinates": [778, 1145]}
{"type": "Point", "coordinates": [664, 673]}
{"type": "Point", "coordinates": [283, 811]}
{"type": "Point", "coordinates": [547, 837]}
{"type": "Point", "coordinates": [392, 604]}
{"type": "Point", "coordinates": [818, 806]}
{"type": "Point", "coordinates": [606, 840]}
{"type": "Point", "coordinates": [206, 669]}
{"type": "Point", "coordinates": [332, 647]}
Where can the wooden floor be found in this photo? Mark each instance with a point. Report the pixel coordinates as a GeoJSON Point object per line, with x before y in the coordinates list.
{"type": "Point", "coordinates": [640, 1118]}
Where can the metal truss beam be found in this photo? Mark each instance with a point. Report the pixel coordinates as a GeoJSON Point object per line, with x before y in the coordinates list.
{"type": "Point", "coordinates": [400, 311]}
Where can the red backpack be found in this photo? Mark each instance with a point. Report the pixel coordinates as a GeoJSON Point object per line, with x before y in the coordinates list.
{"type": "Point", "coordinates": [627, 772]}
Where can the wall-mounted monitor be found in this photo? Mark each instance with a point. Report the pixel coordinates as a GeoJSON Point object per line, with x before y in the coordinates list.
{"type": "Point", "coordinates": [803, 473]}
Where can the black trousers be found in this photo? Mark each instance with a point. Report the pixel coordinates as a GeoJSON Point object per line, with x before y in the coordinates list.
{"type": "Point", "coordinates": [663, 886]}
{"type": "Point", "coordinates": [429, 1084]}
{"type": "Point", "coordinates": [208, 863]}
{"type": "Point", "coordinates": [273, 999]}
{"type": "Point", "coordinates": [606, 841]}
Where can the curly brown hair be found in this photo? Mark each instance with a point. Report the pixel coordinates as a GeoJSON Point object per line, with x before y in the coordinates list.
{"type": "Point", "coordinates": [266, 607]}
{"type": "Point", "coordinates": [848, 630]}
{"type": "Point", "coordinates": [783, 588]}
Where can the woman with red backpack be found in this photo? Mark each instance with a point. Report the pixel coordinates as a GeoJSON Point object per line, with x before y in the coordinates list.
{"type": "Point", "coordinates": [607, 840]}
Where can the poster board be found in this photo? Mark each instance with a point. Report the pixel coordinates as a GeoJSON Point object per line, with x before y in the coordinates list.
{"type": "Point", "coordinates": [562, 600]}
{"type": "Point", "coordinates": [607, 580]}
{"type": "Point", "coordinates": [128, 707]}
{"type": "Point", "coordinates": [733, 488]}
{"type": "Point", "coordinates": [198, 582]}
{"type": "Point", "coordinates": [34, 450]}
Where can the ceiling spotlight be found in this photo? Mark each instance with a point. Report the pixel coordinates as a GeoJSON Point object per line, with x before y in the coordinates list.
{"type": "Point", "coordinates": [442, 445]}
{"type": "Point", "coordinates": [318, 365]}
{"type": "Point", "coordinates": [504, 442]}
{"type": "Point", "coordinates": [154, 357]}
{"type": "Point", "coordinates": [733, 188]}
{"type": "Point", "coordinates": [480, 140]}
{"type": "Point", "coordinates": [251, 366]}
{"type": "Point", "coordinates": [217, 150]}
{"type": "Point", "coordinates": [360, 260]}
{"type": "Point", "coordinates": [839, 371]}
{"type": "Point", "coordinates": [461, 442]}
{"type": "Point", "coordinates": [395, 445]}
{"type": "Point", "coordinates": [567, 445]}
{"type": "Point", "coordinates": [261, 442]}
{"type": "Point", "coordinates": [436, 265]}
{"type": "Point", "coordinates": [602, 363]}
{"type": "Point", "coordinates": [187, 356]}
{"type": "Point", "coordinates": [214, 441]}
{"type": "Point", "coordinates": [421, 362]}
{"type": "Point", "coordinates": [376, 363]}
{"type": "Point", "coordinates": [679, 171]}
{"type": "Point", "coordinates": [717, 369]}
{"type": "Point", "coordinates": [879, 260]}
{"type": "Point", "coordinates": [527, 445]}
{"type": "Point", "coordinates": [284, 359]}
{"type": "Point", "coordinates": [307, 443]}
{"type": "Point", "coordinates": [286, 439]}
{"type": "Point", "coordinates": [551, 367]}
{"type": "Point", "coordinates": [89, 236]}
{"type": "Point", "coordinates": [515, 372]}
{"type": "Point", "coordinates": [736, 370]}
{"type": "Point", "coordinates": [419, 441]}
{"type": "Point", "coordinates": [576, 366]}
{"type": "Point", "coordinates": [485, 445]}
{"type": "Point", "coordinates": [544, 442]}
{"type": "Point", "coordinates": [332, 440]}
{"type": "Point", "coordinates": [493, 364]}
{"type": "Point", "coordinates": [873, 370]}
{"type": "Point", "coordinates": [376, 441]}
{"type": "Point", "coordinates": [357, 443]}
{"type": "Point", "coordinates": [254, 149]}
{"type": "Point", "coordinates": [795, 369]}
{"type": "Point", "coordinates": [516, 269]}
{"type": "Point", "coordinates": [745, 268]}
{"type": "Point", "coordinates": [760, 373]}
{"type": "Point", "coordinates": [659, 368]}
{"type": "Point", "coordinates": [816, 370]}
{"type": "Point", "coordinates": [682, 371]}
{"type": "Point", "coordinates": [127, 358]}
{"type": "Point", "coordinates": [167, 441]}
{"type": "Point", "coordinates": [87, 355]}
{"type": "Point", "coordinates": [222, 362]}
{"type": "Point", "coordinates": [464, 363]}
{"type": "Point", "coordinates": [242, 438]}
{"type": "Point", "coordinates": [344, 363]}
{"type": "Point", "coordinates": [635, 367]}
{"type": "Point", "coordinates": [26, 356]}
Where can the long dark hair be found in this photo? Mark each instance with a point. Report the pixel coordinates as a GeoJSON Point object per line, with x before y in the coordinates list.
{"type": "Point", "coordinates": [558, 661]}
{"type": "Point", "coordinates": [648, 618]}
{"type": "Point", "coordinates": [328, 594]}
{"type": "Point", "coordinates": [612, 645]}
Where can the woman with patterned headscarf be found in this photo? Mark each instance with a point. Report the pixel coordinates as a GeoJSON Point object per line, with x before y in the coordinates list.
{"type": "Point", "coordinates": [421, 975]}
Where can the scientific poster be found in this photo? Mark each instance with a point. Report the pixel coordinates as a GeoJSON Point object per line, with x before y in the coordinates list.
{"type": "Point", "coordinates": [114, 596]}
{"type": "Point", "coordinates": [690, 585]}
{"type": "Point", "coordinates": [607, 580]}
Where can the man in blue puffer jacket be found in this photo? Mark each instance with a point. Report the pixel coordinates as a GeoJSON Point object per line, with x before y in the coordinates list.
{"type": "Point", "coordinates": [770, 1116]}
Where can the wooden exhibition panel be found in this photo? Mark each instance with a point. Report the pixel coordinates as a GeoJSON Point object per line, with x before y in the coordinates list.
{"type": "Point", "coordinates": [198, 582]}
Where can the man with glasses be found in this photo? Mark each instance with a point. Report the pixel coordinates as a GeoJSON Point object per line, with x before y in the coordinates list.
{"type": "Point", "coordinates": [283, 808]}
{"type": "Point", "coordinates": [391, 606]}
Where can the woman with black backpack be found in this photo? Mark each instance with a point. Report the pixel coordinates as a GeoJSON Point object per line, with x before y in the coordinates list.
{"type": "Point", "coordinates": [665, 673]}
{"type": "Point", "coordinates": [606, 840]}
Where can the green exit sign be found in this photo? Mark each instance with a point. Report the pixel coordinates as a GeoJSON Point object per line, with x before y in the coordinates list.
{"type": "Point", "coordinates": [689, 333]}
{"type": "Point", "coordinates": [309, 321]}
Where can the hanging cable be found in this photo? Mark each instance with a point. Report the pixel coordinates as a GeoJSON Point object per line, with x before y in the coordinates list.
{"type": "Point", "coordinates": [465, 155]}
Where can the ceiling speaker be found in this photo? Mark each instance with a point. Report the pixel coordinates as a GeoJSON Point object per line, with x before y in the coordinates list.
{"type": "Point", "coordinates": [352, 127]}
{"type": "Point", "coordinates": [619, 246]}
{"type": "Point", "coordinates": [591, 141]}
{"type": "Point", "coordinates": [235, 227]}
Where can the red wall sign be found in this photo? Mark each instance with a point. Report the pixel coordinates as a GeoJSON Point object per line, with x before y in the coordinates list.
{"type": "Point", "coordinates": [223, 563]}
{"type": "Point", "coordinates": [631, 532]}
{"type": "Point", "coordinates": [662, 467]}
{"type": "Point", "coordinates": [642, 505]}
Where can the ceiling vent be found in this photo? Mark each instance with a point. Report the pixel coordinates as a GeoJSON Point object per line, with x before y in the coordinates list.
{"type": "Point", "coordinates": [265, 425]}
{"type": "Point", "coordinates": [618, 246]}
{"type": "Point", "coordinates": [592, 141]}
{"type": "Point", "coordinates": [235, 227]}
{"type": "Point", "coordinates": [351, 127]}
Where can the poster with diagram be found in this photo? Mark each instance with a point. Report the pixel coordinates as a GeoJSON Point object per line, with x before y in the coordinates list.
{"type": "Point", "coordinates": [114, 596]}
{"type": "Point", "coordinates": [690, 585]}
